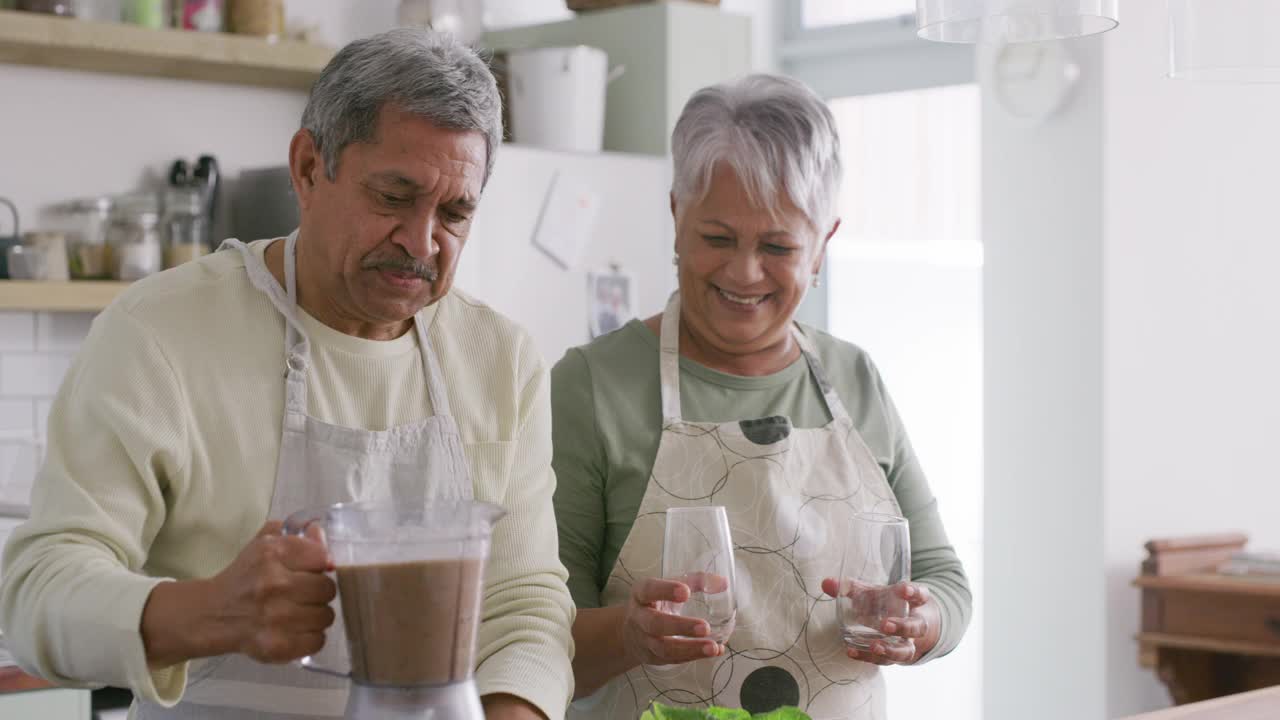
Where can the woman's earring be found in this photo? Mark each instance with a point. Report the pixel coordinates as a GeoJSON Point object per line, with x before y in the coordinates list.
{"type": "Point", "coordinates": [817, 281]}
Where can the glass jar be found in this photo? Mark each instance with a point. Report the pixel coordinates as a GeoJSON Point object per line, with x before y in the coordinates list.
{"type": "Point", "coordinates": [147, 13]}
{"type": "Point", "coordinates": [186, 229]}
{"type": "Point", "coordinates": [133, 235]}
{"type": "Point", "coordinates": [84, 222]}
{"type": "Point", "coordinates": [264, 18]}
{"type": "Point", "coordinates": [41, 256]}
{"type": "Point", "coordinates": [99, 10]}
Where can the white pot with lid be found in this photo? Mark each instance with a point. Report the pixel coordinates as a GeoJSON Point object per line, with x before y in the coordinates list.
{"type": "Point", "coordinates": [557, 97]}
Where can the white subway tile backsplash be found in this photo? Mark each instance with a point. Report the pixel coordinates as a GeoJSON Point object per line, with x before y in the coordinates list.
{"type": "Point", "coordinates": [17, 331]}
{"type": "Point", "coordinates": [61, 331]}
{"type": "Point", "coordinates": [19, 462]}
{"type": "Point", "coordinates": [16, 419]}
{"type": "Point", "coordinates": [42, 418]}
{"type": "Point", "coordinates": [30, 375]}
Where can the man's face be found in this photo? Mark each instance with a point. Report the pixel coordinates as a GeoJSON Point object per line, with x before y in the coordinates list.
{"type": "Point", "coordinates": [383, 238]}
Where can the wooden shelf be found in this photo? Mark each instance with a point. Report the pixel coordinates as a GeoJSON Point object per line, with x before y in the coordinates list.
{"type": "Point", "coordinates": [74, 296]}
{"type": "Point", "coordinates": [45, 40]}
{"type": "Point", "coordinates": [1213, 583]}
{"type": "Point", "coordinates": [1208, 644]}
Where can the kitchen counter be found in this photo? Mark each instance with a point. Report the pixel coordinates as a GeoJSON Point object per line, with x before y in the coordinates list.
{"type": "Point", "coordinates": [24, 696]}
{"type": "Point", "coordinates": [1256, 705]}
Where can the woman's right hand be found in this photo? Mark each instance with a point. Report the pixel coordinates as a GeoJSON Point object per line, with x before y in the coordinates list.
{"type": "Point", "coordinates": [651, 636]}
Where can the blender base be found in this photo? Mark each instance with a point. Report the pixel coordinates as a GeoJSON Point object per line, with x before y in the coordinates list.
{"type": "Point", "coordinates": [456, 701]}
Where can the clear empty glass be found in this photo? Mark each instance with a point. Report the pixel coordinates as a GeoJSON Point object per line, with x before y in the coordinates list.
{"type": "Point", "coordinates": [697, 550]}
{"type": "Point", "coordinates": [1012, 21]}
{"type": "Point", "coordinates": [877, 557]}
{"type": "Point", "coordinates": [1224, 40]}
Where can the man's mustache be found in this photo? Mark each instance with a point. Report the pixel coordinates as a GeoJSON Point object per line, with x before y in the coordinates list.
{"type": "Point", "coordinates": [402, 264]}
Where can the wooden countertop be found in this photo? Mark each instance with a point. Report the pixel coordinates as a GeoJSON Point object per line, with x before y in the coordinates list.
{"type": "Point", "coordinates": [1255, 705]}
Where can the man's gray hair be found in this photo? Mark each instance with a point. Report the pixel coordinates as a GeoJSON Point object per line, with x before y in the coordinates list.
{"type": "Point", "coordinates": [776, 134]}
{"type": "Point", "coordinates": [427, 74]}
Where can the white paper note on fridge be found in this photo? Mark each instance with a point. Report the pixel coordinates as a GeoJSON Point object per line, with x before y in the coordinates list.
{"type": "Point", "coordinates": [567, 221]}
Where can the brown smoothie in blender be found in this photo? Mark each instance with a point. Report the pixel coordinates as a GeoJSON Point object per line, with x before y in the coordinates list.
{"type": "Point", "coordinates": [411, 623]}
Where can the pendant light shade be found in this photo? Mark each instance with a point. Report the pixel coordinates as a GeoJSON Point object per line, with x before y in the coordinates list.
{"type": "Point", "coordinates": [1230, 41]}
{"type": "Point", "coordinates": [1013, 21]}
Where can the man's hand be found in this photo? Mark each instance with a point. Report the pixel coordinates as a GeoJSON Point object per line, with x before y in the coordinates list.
{"type": "Point", "coordinates": [509, 707]}
{"type": "Point", "coordinates": [271, 603]}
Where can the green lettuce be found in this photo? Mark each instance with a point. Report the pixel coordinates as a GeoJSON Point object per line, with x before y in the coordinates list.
{"type": "Point", "coordinates": [658, 711]}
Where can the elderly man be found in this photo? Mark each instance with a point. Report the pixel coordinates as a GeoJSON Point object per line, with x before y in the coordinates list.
{"type": "Point", "coordinates": [153, 557]}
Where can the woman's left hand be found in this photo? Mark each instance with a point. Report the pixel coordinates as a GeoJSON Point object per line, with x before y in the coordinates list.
{"type": "Point", "coordinates": [921, 628]}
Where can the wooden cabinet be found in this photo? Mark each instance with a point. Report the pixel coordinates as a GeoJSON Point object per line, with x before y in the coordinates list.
{"type": "Point", "coordinates": [1207, 634]}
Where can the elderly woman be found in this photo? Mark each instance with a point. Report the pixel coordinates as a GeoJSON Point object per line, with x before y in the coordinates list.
{"type": "Point", "coordinates": [723, 399]}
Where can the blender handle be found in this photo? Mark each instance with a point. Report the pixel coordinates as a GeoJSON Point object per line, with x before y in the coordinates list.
{"type": "Point", "coordinates": [297, 524]}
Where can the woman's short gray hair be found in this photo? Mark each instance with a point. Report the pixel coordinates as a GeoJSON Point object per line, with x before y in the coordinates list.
{"type": "Point", "coordinates": [776, 134]}
{"type": "Point", "coordinates": [428, 74]}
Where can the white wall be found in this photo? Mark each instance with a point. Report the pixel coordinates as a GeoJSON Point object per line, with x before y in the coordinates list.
{"type": "Point", "coordinates": [1192, 403]}
{"type": "Point", "coordinates": [67, 134]}
{"type": "Point", "coordinates": [765, 24]}
{"type": "Point", "coordinates": [1042, 229]}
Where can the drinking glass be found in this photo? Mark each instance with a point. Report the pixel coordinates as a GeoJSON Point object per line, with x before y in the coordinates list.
{"type": "Point", "coordinates": [697, 550]}
{"type": "Point", "coordinates": [876, 560]}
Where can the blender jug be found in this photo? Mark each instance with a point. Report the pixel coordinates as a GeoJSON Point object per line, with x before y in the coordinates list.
{"type": "Point", "coordinates": [410, 581]}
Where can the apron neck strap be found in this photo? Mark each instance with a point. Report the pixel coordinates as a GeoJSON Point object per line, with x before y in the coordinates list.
{"type": "Point", "coordinates": [835, 406]}
{"type": "Point", "coordinates": [291, 267]}
{"type": "Point", "coordinates": [294, 335]}
{"type": "Point", "coordinates": [669, 366]}
{"type": "Point", "coordinates": [436, 389]}
{"type": "Point", "coordinates": [296, 343]}
{"type": "Point", "coordinates": [669, 360]}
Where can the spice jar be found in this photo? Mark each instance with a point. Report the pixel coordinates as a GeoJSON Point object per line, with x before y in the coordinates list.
{"type": "Point", "coordinates": [85, 224]}
{"type": "Point", "coordinates": [264, 18]}
{"type": "Point", "coordinates": [134, 237]}
{"type": "Point", "coordinates": [186, 229]}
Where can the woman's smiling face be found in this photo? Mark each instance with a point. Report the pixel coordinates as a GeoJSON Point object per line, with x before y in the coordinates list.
{"type": "Point", "coordinates": [743, 270]}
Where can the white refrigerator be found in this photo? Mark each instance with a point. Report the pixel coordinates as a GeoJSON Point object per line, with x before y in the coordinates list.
{"type": "Point", "coordinates": [632, 230]}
